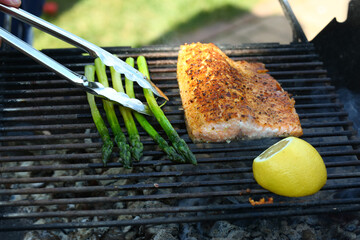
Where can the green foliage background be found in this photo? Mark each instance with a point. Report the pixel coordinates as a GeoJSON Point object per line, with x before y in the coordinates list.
{"type": "Point", "coordinates": [137, 22]}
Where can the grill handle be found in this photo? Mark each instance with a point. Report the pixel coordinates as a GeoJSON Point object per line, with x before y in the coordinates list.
{"type": "Point", "coordinates": [298, 33]}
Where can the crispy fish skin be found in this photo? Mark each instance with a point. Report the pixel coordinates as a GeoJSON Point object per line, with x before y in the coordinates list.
{"type": "Point", "coordinates": [224, 100]}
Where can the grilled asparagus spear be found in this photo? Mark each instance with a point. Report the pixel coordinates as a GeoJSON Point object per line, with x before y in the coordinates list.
{"type": "Point", "coordinates": [99, 122]}
{"type": "Point", "coordinates": [120, 138]}
{"type": "Point", "coordinates": [178, 143]}
{"type": "Point", "coordinates": [134, 137]}
{"type": "Point", "coordinates": [170, 151]}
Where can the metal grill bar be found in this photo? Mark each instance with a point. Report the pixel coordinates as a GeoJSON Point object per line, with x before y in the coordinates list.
{"type": "Point", "coordinates": [170, 196]}
{"type": "Point", "coordinates": [50, 150]}
{"type": "Point", "coordinates": [92, 145]}
{"type": "Point", "coordinates": [147, 175]}
{"type": "Point", "coordinates": [170, 210]}
{"type": "Point", "coordinates": [91, 126]}
{"type": "Point", "coordinates": [207, 218]}
{"type": "Point", "coordinates": [152, 186]}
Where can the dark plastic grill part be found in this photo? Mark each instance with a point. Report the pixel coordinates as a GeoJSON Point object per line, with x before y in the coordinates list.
{"type": "Point", "coordinates": [51, 171]}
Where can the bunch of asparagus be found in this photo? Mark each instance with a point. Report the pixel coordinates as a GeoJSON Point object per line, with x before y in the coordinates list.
{"type": "Point", "coordinates": [133, 148]}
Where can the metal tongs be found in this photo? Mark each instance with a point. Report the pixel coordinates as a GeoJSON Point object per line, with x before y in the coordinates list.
{"type": "Point", "coordinates": [75, 78]}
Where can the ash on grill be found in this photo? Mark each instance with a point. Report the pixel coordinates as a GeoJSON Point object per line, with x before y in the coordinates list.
{"type": "Point", "coordinates": [53, 184]}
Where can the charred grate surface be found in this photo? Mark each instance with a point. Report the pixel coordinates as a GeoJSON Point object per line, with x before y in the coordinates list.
{"type": "Point", "coordinates": [51, 171]}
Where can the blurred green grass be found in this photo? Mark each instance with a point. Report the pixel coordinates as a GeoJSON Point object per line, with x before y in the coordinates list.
{"type": "Point", "coordinates": [137, 22]}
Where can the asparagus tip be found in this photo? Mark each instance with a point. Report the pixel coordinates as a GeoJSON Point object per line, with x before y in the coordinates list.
{"type": "Point", "coordinates": [136, 147]}
{"type": "Point", "coordinates": [106, 151]}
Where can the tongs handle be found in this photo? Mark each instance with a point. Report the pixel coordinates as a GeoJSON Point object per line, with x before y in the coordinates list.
{"type": "Point", "coordinates": [50, 28]}
{"type": "Point", "coordinates": [76, 79]}
{"type": "Point", "coordinates": [27, 49]}
{"type": "Point", "coordinates": [95, 51]}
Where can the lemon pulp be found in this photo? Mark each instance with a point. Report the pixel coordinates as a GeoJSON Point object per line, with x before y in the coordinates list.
{"type": "Point", "coordinates": [291, 167]}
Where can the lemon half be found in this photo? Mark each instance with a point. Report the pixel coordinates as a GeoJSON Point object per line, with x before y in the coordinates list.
{"type": "Point", "coordinates": [291, 167]}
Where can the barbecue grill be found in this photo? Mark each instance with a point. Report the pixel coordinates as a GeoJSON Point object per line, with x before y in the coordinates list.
{"type": "Point", "coordinates": [52, 176]}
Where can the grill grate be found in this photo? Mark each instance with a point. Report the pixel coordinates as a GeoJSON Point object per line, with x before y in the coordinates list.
{"type": "Point", "coordinates": [51, 171]}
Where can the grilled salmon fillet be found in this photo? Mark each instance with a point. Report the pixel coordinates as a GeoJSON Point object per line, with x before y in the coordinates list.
{"type": "Point", "coordinates": [224, 100]}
